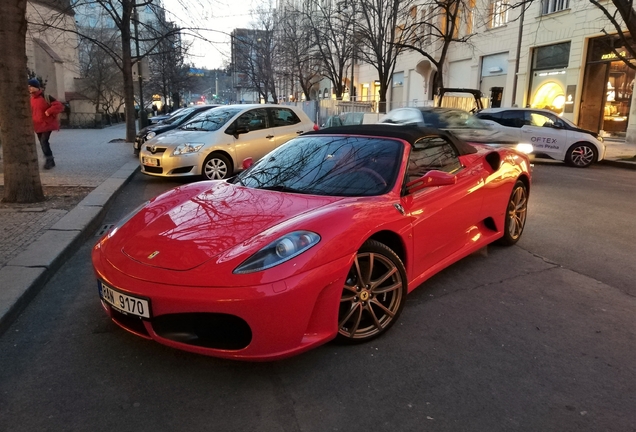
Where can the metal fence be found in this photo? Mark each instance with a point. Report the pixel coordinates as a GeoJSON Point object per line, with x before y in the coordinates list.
{"type": "Point", "coordinates": [80, 120]}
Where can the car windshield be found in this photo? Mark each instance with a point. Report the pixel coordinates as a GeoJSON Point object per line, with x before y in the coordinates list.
{"type": "Point", "coordinates": [211, 120]}
{"type": "Point", "coordinates": [453, 119]}
{"type": "Point", "coordinates": [178, 116]}
{"type": "Point", "coordinates": [328, 165]}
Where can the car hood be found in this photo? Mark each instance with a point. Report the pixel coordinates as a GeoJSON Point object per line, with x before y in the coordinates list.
{"type": "Point", "coordinates": [185, 233]}
{"type": "Point", "coordinates": [484, 136]}
{"type": "Point", "coordinates": [177, 136]}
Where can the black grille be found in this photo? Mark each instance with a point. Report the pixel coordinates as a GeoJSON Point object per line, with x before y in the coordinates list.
{"type": "Point", "coordinates": [209, 330]}
{"type": "Point", "coordinates": [158, 150]}
{"type": "Point", "coordinates": [129, 322]}
{"type": "Point", "coordinates": [182, 170]}
{"type": "Point", "coordinates": [154, 170]}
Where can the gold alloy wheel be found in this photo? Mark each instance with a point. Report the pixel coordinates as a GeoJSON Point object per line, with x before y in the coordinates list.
{"type": "Point", "coordinates": [373, 295]}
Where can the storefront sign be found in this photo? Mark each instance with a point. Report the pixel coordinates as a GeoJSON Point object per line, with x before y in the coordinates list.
{"type": "Point", "coordinates": [612, 56]}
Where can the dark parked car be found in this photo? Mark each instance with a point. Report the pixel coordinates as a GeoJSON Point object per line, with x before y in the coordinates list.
{"type": "Point", "coordinates": [161, 117]}
{"type": "Point", "coordinates": [459, 122]}
{"type": "Point", "coordinates": [177, 119]}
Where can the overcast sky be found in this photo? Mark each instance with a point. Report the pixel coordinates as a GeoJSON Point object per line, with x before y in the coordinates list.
{"type": "Point", "coordinates": [222, 16]}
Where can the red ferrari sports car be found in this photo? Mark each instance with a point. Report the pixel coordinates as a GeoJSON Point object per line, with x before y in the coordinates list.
{"type": "Point", "coordinates": [321, 239]}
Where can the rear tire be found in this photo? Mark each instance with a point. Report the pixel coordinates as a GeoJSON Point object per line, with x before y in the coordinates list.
{"type": "Point", "coordinates": [581, 155]}
{"type": "Point", "coordinates": [216, 167]}
{"type": "Point", "coordinates": [373, 295]}
{"type": "Point", "coordinates": [515, 215]}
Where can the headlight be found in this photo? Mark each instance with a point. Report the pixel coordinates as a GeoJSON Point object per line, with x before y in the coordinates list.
{"type": "Point", "coordinates": [150, 135]}
{"type": "Point", "coordinates": [524, 148]}
{"type": "Point", "coordinates": [279, 251]}
{"type": "Point", "coordinates": [187, 148]}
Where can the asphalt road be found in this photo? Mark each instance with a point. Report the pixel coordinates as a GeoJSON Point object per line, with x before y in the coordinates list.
{"type": "Point", "coordinates": [537, 337]}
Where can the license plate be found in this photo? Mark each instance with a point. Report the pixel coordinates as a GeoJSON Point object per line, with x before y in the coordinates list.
{"type": "Point", "coordinates": [150, 161]}
{"type": "Point", "coordinates": [123, 302]}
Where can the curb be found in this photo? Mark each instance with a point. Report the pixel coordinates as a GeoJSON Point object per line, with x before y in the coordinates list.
{"type": "Point", "coordinates": [619, 164]}
{"type": "Point", "coordinates": [26, 274]}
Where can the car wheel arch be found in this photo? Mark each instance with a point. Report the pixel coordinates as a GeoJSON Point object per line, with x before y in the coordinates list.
{"type": "Point", "coordinates": [592, 146]}
{"type": "Point", "coordinates": [393, 241]}
{"type": "Point", "coordinates": [222, 154]}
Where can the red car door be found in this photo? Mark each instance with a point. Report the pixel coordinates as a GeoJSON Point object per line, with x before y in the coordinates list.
{"type": "Point", "coordinates": [443, 217]}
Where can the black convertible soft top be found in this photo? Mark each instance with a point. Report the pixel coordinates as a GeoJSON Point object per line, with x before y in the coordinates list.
{"type": "Point", "coordinates": [408, 133]}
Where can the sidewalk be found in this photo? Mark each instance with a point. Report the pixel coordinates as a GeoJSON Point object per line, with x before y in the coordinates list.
{"type": "Point", "coordinates": [34, 244]}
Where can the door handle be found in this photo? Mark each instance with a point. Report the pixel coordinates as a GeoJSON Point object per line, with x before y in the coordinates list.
{"type": "Point", "coordinates": [299, 132]}
{"type": "Point", "coordinates": [269, 136]}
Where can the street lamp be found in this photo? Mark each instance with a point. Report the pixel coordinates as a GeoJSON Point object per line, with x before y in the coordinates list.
{"type": "Point", "coordinates": [143, 116]}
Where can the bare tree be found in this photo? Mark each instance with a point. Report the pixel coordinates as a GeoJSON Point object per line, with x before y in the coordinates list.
{"type": "Point", "coordinates": [123, 14]}
{"type": "Point", "coordinates": [101, 79]}
{"type": "Point", "coordinates": [21, 173]}
{"type": "Point", "coordinates": [255, 54]}
{"type": "Point", "coordinates": [434, 28]}
{"type": "Point", "coordinates": [298, 50]}
{"type": "Point", "coordinates": [380, 27]}
{"type": "Point", "coordinates": [333, 26]}
{"type": "Point", "coordinates": [168, 71]}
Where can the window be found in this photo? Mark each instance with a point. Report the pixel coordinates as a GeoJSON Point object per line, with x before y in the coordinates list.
{"type": "Point", "coordinates": [551, 6]}
{"type": "Point", "coordinates": [284, 117]}
{"type": "Point", "coordinates": [540, 120]}
{"type": "Point", "coordinates": [432, 153]}
{"type": "Point", "coordinates": [498, 13]}
{"type": "Point", "coordinates": [470, 16]}
{"type": "Point", "coordinates": [254, 120]}
{"type": "Point", "coordinates": [515, 119]}
{"type": "Point", "coordinates": [403, 116]}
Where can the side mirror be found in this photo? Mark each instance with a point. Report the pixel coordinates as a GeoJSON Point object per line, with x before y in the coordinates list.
{"type": "Point", "coordinates": [431, 179]}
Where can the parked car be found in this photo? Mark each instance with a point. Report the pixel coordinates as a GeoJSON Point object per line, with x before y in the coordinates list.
{"type": "Point", "coordinates": [549, 134]}
{"type": "Point", "coordinates": [179, 118]}
{"type": "Point", "coordinates": [461, 123]}
{"type": "Point", "coordinates": [215, 143]}
{"type": "Point", "coordinates": [161, 117]}
{"type": "Point", "coordinates": [320, 239]}
{"type": "Point", "coordinates": [344, 119]}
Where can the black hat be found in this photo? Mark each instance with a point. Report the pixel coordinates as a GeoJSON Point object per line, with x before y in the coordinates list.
{"type": "Point", "coordinates": [34, 83]}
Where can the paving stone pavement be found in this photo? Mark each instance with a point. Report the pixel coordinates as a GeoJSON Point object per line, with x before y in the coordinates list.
{"type": "Point", "coordinates": [35, 242]}
{"type": "Point", "coordinates": [84, 157]}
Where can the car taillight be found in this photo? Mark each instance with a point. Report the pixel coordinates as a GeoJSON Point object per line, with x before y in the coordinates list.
{"type": "Point", "coordinates": [316, 127]}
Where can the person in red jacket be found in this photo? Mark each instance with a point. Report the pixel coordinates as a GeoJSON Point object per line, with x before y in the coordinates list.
{"type": "Point", "coordinates": [44, 111]}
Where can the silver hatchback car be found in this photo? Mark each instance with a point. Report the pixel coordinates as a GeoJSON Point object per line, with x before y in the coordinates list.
{"type": "Point", "coordinates": [214, 144]}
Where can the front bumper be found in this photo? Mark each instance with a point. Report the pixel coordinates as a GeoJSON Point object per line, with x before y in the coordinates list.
{"type": "Point", "coordinates": [264, 322]}
{"type": "Point", "coordinates": [160, 163]}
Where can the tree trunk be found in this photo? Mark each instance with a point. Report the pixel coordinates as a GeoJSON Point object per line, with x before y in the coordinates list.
{"type": "Point", "coordinates": [19, 155]}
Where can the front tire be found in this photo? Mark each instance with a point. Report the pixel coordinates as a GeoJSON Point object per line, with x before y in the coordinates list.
{"type": "Point", "coordinates": [515, 215]}
{"type": "Point", "coordinates": [216, 167]}
{"type": "Point", "coordinates": [580, 155]}
{"type": "Point", "coordinates": [373, 295]}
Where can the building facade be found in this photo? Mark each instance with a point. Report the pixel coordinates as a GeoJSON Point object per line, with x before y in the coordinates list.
{"type": "Point", "coordinates": [51, 45]}
{"type": "Point", "coordinates": [551, 55]}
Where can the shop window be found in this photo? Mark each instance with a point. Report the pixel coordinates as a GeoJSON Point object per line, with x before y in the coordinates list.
{"type": "Point", "coordinates": [551, 6]}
